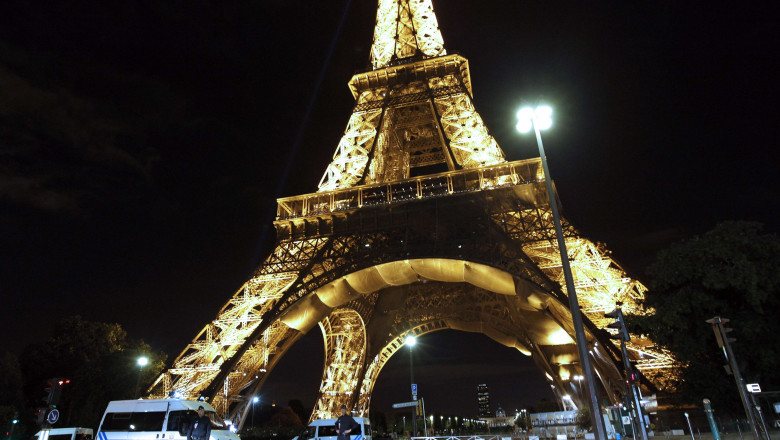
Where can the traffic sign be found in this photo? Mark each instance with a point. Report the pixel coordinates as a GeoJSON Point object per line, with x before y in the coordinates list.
{"type": "Point", "coordinates": [53, 416]}
{"type": "Point", "coordinates": [405, 404]}
{"type": "Point", "coordinates": [753, 388]}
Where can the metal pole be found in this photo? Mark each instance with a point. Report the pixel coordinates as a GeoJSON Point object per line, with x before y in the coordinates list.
{"type": "Point", "coordinates": [425, 419]}
{"type": "Point", "coordinates": [639, 423]}
{"type": "Point", "coordinates": [690, 428]}
{"type": "Point", "coordinates": [414, 396]}
{"type": "Point", "coordinates": [137, 393]}
{"type": "Point", "coordinates": [721, 334]}
{"type": "Point", "coordinates": [760, 416]}
{"type": "Point", "coordinates": [599, 430]}
{"type": "Point", "coordinates": [713, 426]}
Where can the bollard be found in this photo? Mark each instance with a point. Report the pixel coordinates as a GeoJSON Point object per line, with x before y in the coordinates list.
{"type": "Point", "coordinates": [690, 428]}
{"type": "Point", "coordinates": [708, 410]}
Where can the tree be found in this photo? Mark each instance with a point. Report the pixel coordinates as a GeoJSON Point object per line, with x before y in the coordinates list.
{"type": "Point", "coordinates": [98, 358]}
{"type": "Point", "coordinates": [583, 420]}
{"type": "Point", "coordinates": [732, 271]}
{"type": "Point", "coordinates": [11, 396]}
{"type": "Point", "coordinates": [286, 417]}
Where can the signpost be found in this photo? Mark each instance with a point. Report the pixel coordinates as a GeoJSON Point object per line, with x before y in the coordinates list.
{"type": "Point", "coordinates": [405, 404]}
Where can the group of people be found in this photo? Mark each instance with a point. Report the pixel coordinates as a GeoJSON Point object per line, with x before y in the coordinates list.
{"type": "Point", "coordinates": [201, 427]}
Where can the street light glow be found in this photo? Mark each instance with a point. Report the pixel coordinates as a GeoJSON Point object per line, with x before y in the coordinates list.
{"type": "Point", "coordinates": [410, 340]}
{"type": "Point", "coordinates": [527, 118]}
{"type": "Point", "coordinates": [255, 399]}
{"type": "Point", "coordinates": [142, 361]}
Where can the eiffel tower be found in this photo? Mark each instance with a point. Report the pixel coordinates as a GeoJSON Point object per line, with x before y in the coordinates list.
{"type": "Point", "coordinates": [419, 224]}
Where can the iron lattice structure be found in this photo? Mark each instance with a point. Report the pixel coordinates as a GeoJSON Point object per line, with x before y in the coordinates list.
{"type": "Point", "coordinates": [419, 224]}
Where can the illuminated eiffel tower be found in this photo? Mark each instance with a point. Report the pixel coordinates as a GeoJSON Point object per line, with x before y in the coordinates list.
{"type": "Point", "coordinates": [419, 224]}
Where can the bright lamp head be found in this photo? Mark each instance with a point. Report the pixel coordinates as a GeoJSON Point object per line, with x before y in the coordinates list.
{"type": "Point", "coordinates": [524, 125]}
{"type": "Point", "coordinates": [528, 117]}
{"type": "Point", "coordinates": [525, 113]}
{"type": "Point", "coordinates": [410, 340]}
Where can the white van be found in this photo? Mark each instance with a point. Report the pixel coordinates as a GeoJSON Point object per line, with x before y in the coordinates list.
{"type": "Point", "coordinates": [65, 434]}
{"type": "Point", "coordinates": [156, 419]}
{"type": "Point", "coordinates": [325, 429]}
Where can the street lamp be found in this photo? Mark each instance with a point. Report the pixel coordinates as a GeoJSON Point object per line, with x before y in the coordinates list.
{"type": "Point", "coordinates": [255, 399]}
{"type": "Point", "coordinates": [13, 425]}
{"type": "Point", "coordinates": [141, 362]}
{"type": "Point", "coordinates": [538, 119]}
{"type": "Point", "coordinates": [578, 378]}
{"type": "Point", "coordinates": [410, 342]}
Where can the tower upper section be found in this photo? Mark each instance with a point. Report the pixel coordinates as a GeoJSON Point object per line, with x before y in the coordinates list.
{"type": "Point", "coordinates": [414, 114]}
{"type": "Point", "coordinates": [405, 28]}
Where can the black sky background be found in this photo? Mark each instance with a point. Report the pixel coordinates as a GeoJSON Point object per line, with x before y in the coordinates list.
{"type": "Point", "coordinates": [143, 143]}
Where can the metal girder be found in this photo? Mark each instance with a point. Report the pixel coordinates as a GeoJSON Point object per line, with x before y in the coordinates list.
{"type": "Point", "coordinates": [405, 28]}
{"type": "Point", "coordinates": [471, 248]}
{"type": "Point", "coordinates": [487, 226]}
{"type": "Point", "coordinates": [418, 113]}
{"type": "Point", "coordinates": [345, 350]}
{"type": "Point", "coordinates": [426, 307]}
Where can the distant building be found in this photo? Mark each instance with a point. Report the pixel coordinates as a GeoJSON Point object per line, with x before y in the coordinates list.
{"type": "Point", "coordinates": [500, 420]}
{"type": "Point", "coordinates": [553, 424]}
{"type": "Point", "coordinates": [483, 400]}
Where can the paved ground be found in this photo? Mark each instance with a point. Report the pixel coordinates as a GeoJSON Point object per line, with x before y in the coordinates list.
{"type": "Point", "coordinates": [708, 436]}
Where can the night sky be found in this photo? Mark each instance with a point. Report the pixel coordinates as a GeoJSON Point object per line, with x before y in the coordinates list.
{"type": "Point", "coordinates": [143, 143]}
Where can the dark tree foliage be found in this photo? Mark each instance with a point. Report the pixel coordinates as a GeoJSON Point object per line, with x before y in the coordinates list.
{"type": "Point", "coordinates": [732, 271]}
{"type": "Point", "coordinates": [98, 359]}
{"type": "Point", "coordinates": [11, 397]}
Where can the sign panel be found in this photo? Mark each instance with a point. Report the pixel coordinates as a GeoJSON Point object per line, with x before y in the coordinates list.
{"type": "Point", "coordinates": [405, 404]}
{"type": "Point", "coordinates": [753, 388]}
{"type": "Point", "coordinates": [53, 416]}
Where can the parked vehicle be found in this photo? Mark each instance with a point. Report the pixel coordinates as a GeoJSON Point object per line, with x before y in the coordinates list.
{"type": "Point", "coordinates": [157, 419]}
{"type": "Point", "coordinates": [325, 429]}
{"type": "Point", "coordinates": [65, 434]}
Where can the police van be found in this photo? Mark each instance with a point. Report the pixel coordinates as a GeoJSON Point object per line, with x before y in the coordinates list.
{"type": "Point", "coordinates": [325, 429]}
{"type": "Point", "coordinates": [158, 419]}
{"type": "Point", "coordinates": [65, 434]}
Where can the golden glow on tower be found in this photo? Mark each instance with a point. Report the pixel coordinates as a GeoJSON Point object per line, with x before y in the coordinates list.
{"type": "Point", "coordinates": [388, 248]}
{"type": "Point", "coordinates": [405, 28]}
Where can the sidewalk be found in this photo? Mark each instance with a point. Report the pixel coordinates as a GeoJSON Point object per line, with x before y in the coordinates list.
{"type": "Point", "coordinates": [708, 436]}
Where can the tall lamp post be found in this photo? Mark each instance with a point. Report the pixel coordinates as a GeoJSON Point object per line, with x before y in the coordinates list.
{"type": "Point", "coordinates": [141, 362]}
{"type": "Point", "coordinates": [538, 119]}
{"type": "Point", "coordinates": [255, 399]}
{"type": "Point", "coordinates": [578, 378]}
{"type": "Point", "coordinates": [410, 341]}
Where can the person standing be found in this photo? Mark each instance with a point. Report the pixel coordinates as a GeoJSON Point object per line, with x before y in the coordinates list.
{"type": "Point", "coordinates": [345, 425]}
{"type": "Point", "coordinates": [201, 427]}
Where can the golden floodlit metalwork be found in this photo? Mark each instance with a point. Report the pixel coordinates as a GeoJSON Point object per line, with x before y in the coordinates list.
{"type": "Point", "coordinates": [419, 224]}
